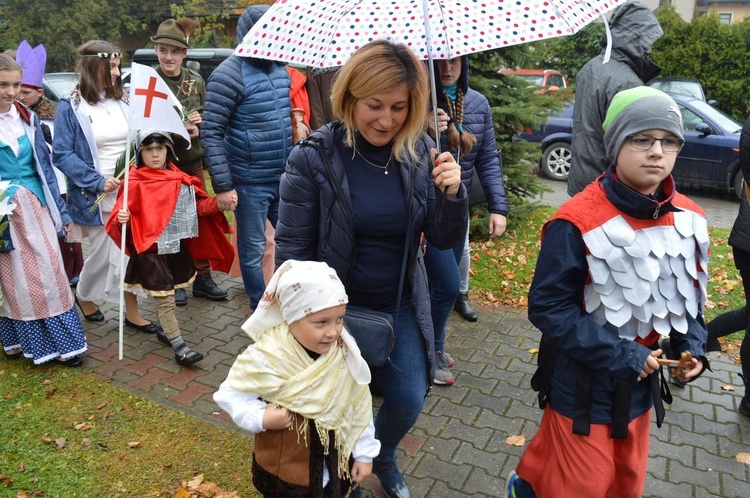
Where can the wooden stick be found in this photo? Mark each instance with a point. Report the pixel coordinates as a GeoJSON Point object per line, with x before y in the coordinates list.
{"type": "Point", "coordinates": [665, 362]}
{"type": "Point", "coordinates": [104, 194]}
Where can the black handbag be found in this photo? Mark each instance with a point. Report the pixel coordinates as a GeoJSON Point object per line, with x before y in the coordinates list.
{"type": "Point", "coordinates": [373, 330]}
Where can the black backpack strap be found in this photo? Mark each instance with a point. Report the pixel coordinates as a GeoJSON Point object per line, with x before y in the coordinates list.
{"type": "Point", "coordinates": [621, 409]}
{"type": "Point", "coordinates": [545, 361]}
{"type": "Point", "coordinates": [582, 403]}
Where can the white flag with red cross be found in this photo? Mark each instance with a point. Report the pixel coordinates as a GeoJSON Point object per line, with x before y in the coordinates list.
{"type": "Point", "coordinates": [153, 106]}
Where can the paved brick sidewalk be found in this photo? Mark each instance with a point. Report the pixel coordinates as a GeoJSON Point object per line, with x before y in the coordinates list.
{"type": "Point", "coordinates": [457, 447]}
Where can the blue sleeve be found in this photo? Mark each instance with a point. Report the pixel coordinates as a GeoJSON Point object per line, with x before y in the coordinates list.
{"type": "Point", "coordinates": [447, 219]}
{"type": "Point", "coordinates": [488, 166]}
{"type": "Point", "coordinates": [556, 307]}
{"type": "Point", "coordinates": [66, 143]}
{"type": "Point", "coordinates": [43, 155]}
{"type": "Point", "coordinates": [223, 90]}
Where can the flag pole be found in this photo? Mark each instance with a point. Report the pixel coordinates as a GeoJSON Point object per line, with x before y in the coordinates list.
{"type": "Point", "coordinates": [123, 239]}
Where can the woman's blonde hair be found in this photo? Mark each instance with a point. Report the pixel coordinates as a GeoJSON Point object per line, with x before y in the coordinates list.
{"type": "Point", "coordinates": [93, 71]}
{"type": "Point", "coordinates": [381, 67]}
{"type": "Point", "coordinates": [8, 63]}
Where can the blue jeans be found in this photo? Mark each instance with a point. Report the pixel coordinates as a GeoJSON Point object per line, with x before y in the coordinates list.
{"type": "Point", "coordinates": [442, 274]}
{"type": "Point", "coordinates": [255, 204]}
{"type": "Point", "coordinates": [404, 381]}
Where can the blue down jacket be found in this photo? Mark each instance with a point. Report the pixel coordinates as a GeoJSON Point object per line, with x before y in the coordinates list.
{"type": "Point", "coordinates": [314, 225]}
{"type": "Point", "coordinates": [247, 127]}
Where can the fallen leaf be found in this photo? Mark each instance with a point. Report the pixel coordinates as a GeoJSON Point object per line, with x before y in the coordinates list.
{"type": "Point", "coordinates": [60, 442]}
{"type": "Point", "coordinates": [100, 406]}
{"type": "Point", "coordinates": [196, 481]}
{"type": "Point", "coordinates": [534, 350]}
{"type": "Point", "coordinates": [46, 440]}
{"type": "Point", "coordinates": [743, 458]}
{"type": "Point", "coordinates": [6, 479]}
{"type": "Point", "coordinates": [50, 393]}
{"type": "Point", "coordinates": [22, 467]}
{"type": "Point", "coordinates": [102, 446]}
{"type": "Point", "coordinates": [727, 387]}
{"type": "Point", "coordinates": [133, 444]}
{"type": "Point", "coordinates": [46, 382]}
{"type": "Point", "coordinates": [86, 442]}
{"type": "Point", "coordinates": [182, 493]}
{"type": "Point", "coordinates": [83, 426]}
{"type": "Point", "coordinates": [516, 440]}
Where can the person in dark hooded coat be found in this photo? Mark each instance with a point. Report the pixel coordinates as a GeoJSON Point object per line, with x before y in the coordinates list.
{"type": "Point", "coordinates": [634, 30]}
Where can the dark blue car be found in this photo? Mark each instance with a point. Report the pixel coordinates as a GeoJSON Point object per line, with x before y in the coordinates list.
{"type": "Point", "coordinates": [709, 159]}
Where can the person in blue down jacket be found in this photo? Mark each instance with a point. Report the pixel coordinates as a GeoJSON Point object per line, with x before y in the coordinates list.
{"type": "Point", "coordinates": [357, 194]}
{"type": "Point", "coordinates": [246, 137]}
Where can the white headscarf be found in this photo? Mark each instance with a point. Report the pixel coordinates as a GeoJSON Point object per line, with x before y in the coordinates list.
{"type": "Point", "coordinates": [299, 289]}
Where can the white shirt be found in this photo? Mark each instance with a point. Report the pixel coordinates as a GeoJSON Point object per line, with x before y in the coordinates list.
{"type": "Point", "coordinates": [11, 128]}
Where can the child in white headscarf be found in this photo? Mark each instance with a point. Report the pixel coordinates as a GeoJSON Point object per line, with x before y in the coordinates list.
{"type": "Point", "coordinates": [302, 388]}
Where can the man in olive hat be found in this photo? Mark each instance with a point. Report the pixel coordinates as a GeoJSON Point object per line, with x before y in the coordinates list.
{"type": "Point", "coordinates": [172, 41]}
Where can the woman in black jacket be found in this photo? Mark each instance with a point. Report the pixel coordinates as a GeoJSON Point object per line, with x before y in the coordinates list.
{"type": "Point", "coordinates": [739, 239]}
{"type": "Point", "coordinates": [353, 195]}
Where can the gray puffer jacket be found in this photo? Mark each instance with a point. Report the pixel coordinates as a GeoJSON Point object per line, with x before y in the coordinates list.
{"type": "Point", "coordinates": [634, 30]}
{"type": "Point", "coordinates": [314, 225]}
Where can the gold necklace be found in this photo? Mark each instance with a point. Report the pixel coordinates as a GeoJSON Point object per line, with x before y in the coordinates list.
{"type": "Point", "coordinates": [384, 168]}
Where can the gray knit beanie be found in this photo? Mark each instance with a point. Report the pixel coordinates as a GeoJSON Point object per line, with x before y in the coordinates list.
{"type": "Point", "coordinates": [639, 109]}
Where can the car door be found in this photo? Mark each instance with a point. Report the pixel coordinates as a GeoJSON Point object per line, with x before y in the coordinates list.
{"type": "Point", "coordinates": [701, 160]}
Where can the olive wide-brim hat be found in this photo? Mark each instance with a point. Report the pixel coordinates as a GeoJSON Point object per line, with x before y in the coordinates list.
{"type": "Point", "coordinates": [170, 32]}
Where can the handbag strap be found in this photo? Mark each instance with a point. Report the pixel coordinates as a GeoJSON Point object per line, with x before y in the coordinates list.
{"type": "Point", "coordinates": [320, 146]}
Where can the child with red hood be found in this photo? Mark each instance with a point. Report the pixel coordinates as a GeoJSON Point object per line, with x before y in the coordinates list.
{"type": "Point", "coordinates": [172, 222]}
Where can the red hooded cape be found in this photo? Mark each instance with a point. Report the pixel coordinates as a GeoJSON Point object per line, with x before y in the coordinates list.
{"type": "Point", "coordinates": [152, 198]}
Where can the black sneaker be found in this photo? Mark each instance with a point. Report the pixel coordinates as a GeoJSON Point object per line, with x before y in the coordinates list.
{"type": "Point", "coordinates": [188, 358]}
{"type": "Point", "coordinates": [204, 286]}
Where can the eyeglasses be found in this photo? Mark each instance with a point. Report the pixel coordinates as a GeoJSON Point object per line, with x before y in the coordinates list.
{"type": "Point", "coordinates": [645, 142]}
{"type": "Point", "coordinates": [105, 55]}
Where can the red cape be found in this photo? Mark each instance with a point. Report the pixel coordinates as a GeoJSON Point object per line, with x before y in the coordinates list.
{"type": "Point", "coordinates": [152, 198]}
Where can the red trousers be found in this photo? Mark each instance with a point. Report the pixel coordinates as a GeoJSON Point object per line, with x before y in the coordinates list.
{"type": "Point", "coordinates": [561, 464]}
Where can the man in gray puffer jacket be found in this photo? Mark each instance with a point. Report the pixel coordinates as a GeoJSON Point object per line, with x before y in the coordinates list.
{"type": "Point", "coordinates": [246, 137]}
{"type": "Point", "coordinates": [634, 30]}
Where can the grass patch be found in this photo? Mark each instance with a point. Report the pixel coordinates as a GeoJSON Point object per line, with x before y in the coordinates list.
{"type": "Point", "coordinates": [41, 405]}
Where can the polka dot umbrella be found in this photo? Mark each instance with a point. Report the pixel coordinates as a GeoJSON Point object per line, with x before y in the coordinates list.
{"type": "Point", "coordinates": [325, 33]}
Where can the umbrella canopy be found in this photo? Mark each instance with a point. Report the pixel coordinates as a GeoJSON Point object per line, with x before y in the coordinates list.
{"type": "Point", "coordinates": [324, 33]}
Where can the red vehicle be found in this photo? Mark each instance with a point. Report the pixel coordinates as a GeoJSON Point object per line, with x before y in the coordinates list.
{"type": "Point", "coordinates": [547, 79]}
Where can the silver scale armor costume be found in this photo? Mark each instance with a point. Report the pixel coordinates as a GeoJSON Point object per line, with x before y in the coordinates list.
{"type": "Point", "coordinates": [645, 279]}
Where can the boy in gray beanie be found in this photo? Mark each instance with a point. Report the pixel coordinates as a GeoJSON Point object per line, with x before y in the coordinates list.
{"type": "Point", "coordinates": [621, 264]}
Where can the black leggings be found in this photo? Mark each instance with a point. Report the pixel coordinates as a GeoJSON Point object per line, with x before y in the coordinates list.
{"type": "Point", "coordinates": [739, 319]}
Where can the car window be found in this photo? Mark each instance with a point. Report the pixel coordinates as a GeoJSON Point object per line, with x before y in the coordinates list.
{"type": "Point", "coordinates": [690, 119]}
{"type": "Point", "coordinates": [531, 79]}
{"type": "Point", "coordinates": [722, 120]}
{"type": "Point", "coordinates": [555, 80]}
{"type": "Point", "coordinates": [689, 88]}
